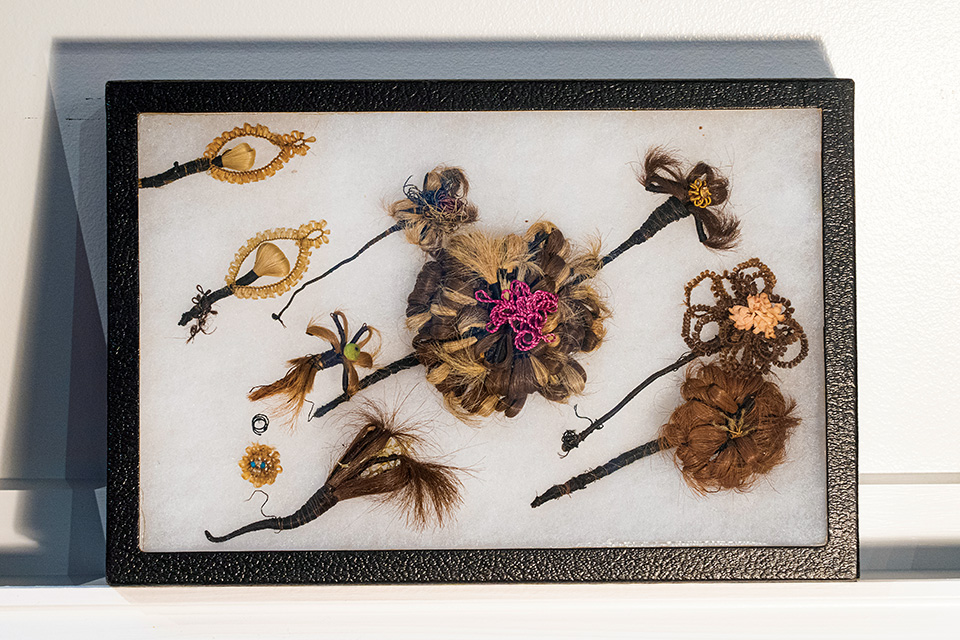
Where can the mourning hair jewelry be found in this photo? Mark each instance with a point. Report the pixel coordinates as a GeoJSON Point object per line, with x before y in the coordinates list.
{"type": "Point", "coordinates": [428, 215]}
{"type": "Point", "coordinates": [236, 164]}
{"type": "Point", "coordinates": [733, 423]}
{"type": "Point", "coordinates": [381, 461]}
{"type": "Point", "coordinates": [500, 317]}
{"type": "Point", "coordinates": [270, 261]}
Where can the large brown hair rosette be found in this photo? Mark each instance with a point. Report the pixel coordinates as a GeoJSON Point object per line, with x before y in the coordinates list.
{"type": "Point", "coordinates": [500, 317]}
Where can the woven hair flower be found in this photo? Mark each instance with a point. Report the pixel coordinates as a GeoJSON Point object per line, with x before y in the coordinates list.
{"type": "Point", "coordinates": [733, 423]}
{"type": "Point", "coordinates": [500, 317]}
{"type": "Point", "coordinates": [701, 190]}
{"type": "Point", "coordinates": [754, 326]}
{"type": "Point", "coordinates": [729, 430]}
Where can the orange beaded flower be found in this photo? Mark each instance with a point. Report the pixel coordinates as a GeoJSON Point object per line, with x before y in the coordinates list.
{"type": "Point", "coordinates": [260, 465]}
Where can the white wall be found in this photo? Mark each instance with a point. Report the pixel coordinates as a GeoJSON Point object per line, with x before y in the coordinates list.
{"type": "Point", "coordinates": [903, 56]}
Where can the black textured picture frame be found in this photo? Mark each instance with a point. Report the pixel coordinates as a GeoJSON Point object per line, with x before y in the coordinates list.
{"type": "Point", "coordinates": [837, 559]}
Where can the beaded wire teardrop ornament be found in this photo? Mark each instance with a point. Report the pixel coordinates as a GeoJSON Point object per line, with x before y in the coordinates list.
{"type": "Point", "coordinates": [270, 261]}
{"type": "Point", "coordinates": [235, 165]}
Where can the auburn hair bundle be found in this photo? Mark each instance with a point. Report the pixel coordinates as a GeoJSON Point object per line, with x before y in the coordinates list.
{"type": "Point", "coordinates": [729, 430]}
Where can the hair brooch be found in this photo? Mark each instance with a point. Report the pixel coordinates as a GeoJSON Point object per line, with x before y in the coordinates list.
{"type": "Point", "coordinates": [381, 461]}
{"type": "Point", "coordinates": [235, 165]}
{"type": "Point", "coordinates": [270, 261]}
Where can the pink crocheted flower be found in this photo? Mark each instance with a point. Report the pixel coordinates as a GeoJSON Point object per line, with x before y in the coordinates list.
{"type": "Point", "coordinates": [525, 311]}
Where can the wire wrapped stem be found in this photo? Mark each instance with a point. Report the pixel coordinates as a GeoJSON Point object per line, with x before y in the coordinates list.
{"type": "Point", "coordinates": [318, 504]}
{"type": "Point", "coordinates": [375, 240]}
{"type": "Point", "coordinates": [581, 481]}
{"type": "Point", "coordinates": [572, 439]}
{"type": "Point", "coordinates": [407, 362]}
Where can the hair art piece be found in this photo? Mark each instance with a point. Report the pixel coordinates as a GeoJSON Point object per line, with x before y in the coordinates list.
{"type": "Point", "coordinates": [754, 330]}
{"type": "Point", "coordinates": [479, 293]}
{"type": "Point", "coordinates": [260, 465]}
{"type": "Point", "coordinates": [293, 388]}
{"type": "Point", "coordinates": [270, 262]}
{"type": "Point", "coordinates": [235, 165]}
{"type": "Point", "coordinates": [733, 424]}
{"type": "Point", "coordinates": [381, 461]}
{"type": "Point", "coordinates": [259, 424]}
{"type": "Point", "coordinates": [754, 326]}
{"type": "Point", "coordinates": [701, 191]}
{"type": "Point", "coordinates": [427, 215]}
{"type": "Point", "coordinates": [499, 318]}
{"type": "Point", "coordinates": [730, 430]}
{"type": "Point", "coordinates": [485, 329]}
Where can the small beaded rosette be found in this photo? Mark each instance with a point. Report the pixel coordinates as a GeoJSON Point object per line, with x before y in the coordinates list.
{"type": "Point", "coordinates": [260, 465]}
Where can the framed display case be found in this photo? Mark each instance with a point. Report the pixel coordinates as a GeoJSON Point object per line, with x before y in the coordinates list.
{"type": "Point", "coordinates": [358, 329]}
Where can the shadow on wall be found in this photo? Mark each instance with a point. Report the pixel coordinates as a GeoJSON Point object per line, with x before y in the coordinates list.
{"type": "Point", "coordinates": [54, 456]}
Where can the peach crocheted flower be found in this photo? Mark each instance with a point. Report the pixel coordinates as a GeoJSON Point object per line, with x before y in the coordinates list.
{"type": "Point", "coordinates": [760, 315]}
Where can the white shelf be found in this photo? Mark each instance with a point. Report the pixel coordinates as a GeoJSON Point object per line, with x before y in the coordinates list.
{"type": "Point", "coordinates": [851, 610]}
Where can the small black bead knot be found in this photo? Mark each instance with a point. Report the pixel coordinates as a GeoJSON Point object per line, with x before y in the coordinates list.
{"type": "Point", "coordinates": [570, 440]}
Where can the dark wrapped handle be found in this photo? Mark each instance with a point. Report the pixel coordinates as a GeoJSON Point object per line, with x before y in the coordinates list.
{"type": "Point", "coordinates": [178, 171]}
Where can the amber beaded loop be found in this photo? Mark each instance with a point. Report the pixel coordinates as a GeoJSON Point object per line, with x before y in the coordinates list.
{"type": "Point", "coordinates": [304, 244]}
{"type": "Point", "coordinates": [290, 144]}
{"type": "Point", "coordinates": [742, 350]}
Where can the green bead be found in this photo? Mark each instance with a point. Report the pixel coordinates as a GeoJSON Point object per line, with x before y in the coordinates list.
{"type": "Point", "coordinates": [351, 351]}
